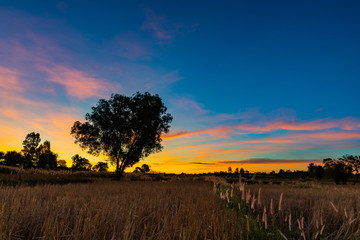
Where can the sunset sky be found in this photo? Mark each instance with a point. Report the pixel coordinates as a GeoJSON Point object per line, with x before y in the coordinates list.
{"type": "Point", "coordinates": [261, 85]}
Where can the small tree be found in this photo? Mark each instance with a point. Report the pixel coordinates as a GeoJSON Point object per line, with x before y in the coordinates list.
{"type": "Point", "coordinates": [61, 164]}
{"type": "Point", "coordinates": [30, 145]}
{"type": "Point", "coordinates": [101, 167]}
{"type": "Point", "coordinates": [316, 171]}
{"type": "Point", "coordinates": [126, 129]}
{"type": "Point", "coordinates": [354, 163]}
{"type": "Point", "coordinates": [337, 170]}
{"type": "Point", "coordinates": [80, 163]}
{"type": "Point", "coordinates": [145, 168]}
{"type": "Point", "coordinates": [46, 158]}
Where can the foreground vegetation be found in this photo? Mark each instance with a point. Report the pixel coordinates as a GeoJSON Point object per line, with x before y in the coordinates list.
{"type": "Point", "coordinates": [295, 210]}
{"type": "Point", "coordinates": [117, 210]}
{"type": "Point", "coordinates": [90, 205]}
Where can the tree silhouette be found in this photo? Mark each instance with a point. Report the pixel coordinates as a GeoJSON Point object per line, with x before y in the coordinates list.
{"type": "Point", "coordinates": [354, 163]}
{"type": "Point", "coordinates": [80, 163]}
{"type": "Point", "coordinates": [13, 158]}
{"type": "Point", "coordinates": [46, 158]}
{"type": "Point", "coordinates": [337, 169]}
{"type": "Point", "coordinates": [126, 129]}
{"type": "Point", "coordinates": [30, 145]}
{"type": "Point", "coordinates": [145, 168]}
{"type": "Point", "coordinates": [61, 164]}
{"type": "Point", "coordinates": [101, 167]}
{"type": "Point", "coordinates": [316, 171]}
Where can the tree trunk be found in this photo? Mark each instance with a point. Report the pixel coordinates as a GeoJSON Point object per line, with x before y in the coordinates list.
{"type": "Point", "coordinates": [356, 179]}
{"type": "Point", "coordinates": [119, 170]}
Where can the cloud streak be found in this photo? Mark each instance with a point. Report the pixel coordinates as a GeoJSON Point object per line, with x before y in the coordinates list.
{"type": "Point", "coordinates": [316, 125]}
{"type": "Point", "coordinates": [272, 161]}
{"type": "Point", "coordinates": [77, 83]}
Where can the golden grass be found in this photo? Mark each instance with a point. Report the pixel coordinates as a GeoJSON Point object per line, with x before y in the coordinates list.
{"type": "Point", "coordinates": [116, 210]}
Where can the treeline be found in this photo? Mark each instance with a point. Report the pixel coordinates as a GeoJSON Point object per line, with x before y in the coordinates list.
{"type": "Point", "coordinates": [340, 170]}
{"type": "Point", "coordinates": [39, 155]}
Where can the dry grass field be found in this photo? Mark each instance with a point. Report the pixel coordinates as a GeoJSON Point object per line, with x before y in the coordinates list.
{"type": "Point", "coordinates": [297, 210]}
{"type": "Point", "coordinates": [116, 210]}
{"type": "Point", "coordinates": [179, 209]}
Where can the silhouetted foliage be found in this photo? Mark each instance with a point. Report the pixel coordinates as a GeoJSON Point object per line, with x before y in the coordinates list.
{"type": "Point", "coordinates": [143, 169]}
{"type": "Point", "coordinates": [13, 158]}
{"type": "Point", "coordinates": [126, 129]}
{"type": "Point", "coordinates": [46, 158]}
{"type": "Point", "coordinates": [61, 164]}
{"type": "Point", "coordinates": [316, 171]}
{"type": "Point", "coordinates": [354, 163]}
{"type": "Point", "coordinates": [30, 145]}
{"type": "Point", "coordinates": [337, 170]}
{"type": "Point", "coordinates": [37, 156]}
{"type": "Point", "coordinates": [80, 163]}
{"type": "Point", "coordinates": [101, 167]}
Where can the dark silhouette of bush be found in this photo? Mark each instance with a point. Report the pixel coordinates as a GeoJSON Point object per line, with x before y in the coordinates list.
{"type": "Point", "coordinates": [13, 158]}
{"type": "Point", "coordinates": [337, 170]}
{"type": "Point", "coordinates": [354, 163]}
{"type": "Point", "coordinates": [316, 171]}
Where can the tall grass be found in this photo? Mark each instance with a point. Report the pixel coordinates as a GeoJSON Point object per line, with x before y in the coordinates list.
{"type": "Point", "coordinates": [116, 210]}
{"type": "Point", "coordinates": [298, 211]}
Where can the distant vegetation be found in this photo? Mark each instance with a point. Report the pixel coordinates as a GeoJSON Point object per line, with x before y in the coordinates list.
{"type": "Point", "coordinates": [40, 156]}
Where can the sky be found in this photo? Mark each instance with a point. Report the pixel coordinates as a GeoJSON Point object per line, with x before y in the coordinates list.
{"type": "Point", "coordinates": [259, 85]}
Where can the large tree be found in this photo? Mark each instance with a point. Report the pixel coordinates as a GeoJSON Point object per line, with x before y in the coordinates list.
{"type": "Point", "coordinates": [126, 129]}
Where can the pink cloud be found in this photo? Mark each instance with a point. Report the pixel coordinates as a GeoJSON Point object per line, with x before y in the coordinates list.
{"type": "Point", "coordinates": [345, 124]}
{"type": "Point", "coordinates": [77, 83]}
{"type": "Point", "coordinates": [9, 80]}
{"type": "Point", "coordinates": [316, 125]}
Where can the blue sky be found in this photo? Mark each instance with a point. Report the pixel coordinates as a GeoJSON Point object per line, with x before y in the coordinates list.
{"type": "Point", "coordinates": [257, 84]}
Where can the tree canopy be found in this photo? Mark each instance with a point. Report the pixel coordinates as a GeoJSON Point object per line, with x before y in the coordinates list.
{"type": "Point", "coordinates": [80, 163]}
{"type": "Point", "coordinates": [126, 129]}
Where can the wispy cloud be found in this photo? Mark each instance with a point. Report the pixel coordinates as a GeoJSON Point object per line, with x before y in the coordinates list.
{"type": "Point", "coordinates": [79, 84]}
{"type": "Point", "coordinates": [9, 80]}
{"type": "Point", "coordinates": [293, 126]}
{"type": "Point", "coordinates": [188, 105]}
{"type": "Point", "coordinates": [159, 27]}
{"type": "Point", "coordinates": [271, 161]}
{"type": "Point", "coordinates": [202, 163]}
